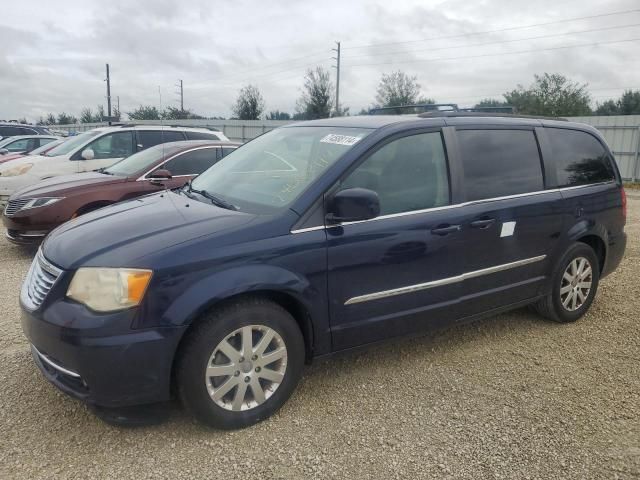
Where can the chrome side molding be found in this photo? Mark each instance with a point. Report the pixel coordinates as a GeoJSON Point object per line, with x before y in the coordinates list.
{"type": "Point", "coordinates": [444, 281]}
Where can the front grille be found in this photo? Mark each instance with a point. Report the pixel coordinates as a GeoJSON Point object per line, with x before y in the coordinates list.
{"type": "Point", "coordinates": [14, 206]}
{"type": "Point", "coordinates": [41, 277]}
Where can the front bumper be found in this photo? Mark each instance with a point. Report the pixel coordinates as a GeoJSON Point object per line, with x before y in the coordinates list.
{"type": "Point", "coordinates": [98, 358]}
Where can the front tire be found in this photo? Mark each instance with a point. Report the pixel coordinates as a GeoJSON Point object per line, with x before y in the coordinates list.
{"type": "Point", "coordinates": [240, 364]}
{"type": "Point", "coordinates": [574, 285]}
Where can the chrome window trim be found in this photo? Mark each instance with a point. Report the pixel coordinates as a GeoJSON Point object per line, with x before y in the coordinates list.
{"type": "Point", "coordinates": [143, 177]}
{"type": "Point", "coordinates": [455, 205]}
{"type": "Point", "coordinates": [54, 365]}
{"type": "Point", "coordinates": [443, 281]}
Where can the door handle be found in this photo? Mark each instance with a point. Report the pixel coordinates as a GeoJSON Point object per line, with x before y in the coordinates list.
{"type": "Point", "coordinates": [445, 229]}
{"type": "Point", "coordinates": [484, 223]}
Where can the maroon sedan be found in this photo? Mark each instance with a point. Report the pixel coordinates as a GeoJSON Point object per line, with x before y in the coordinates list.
{"type": "Point", "coordinates": [36, 210]}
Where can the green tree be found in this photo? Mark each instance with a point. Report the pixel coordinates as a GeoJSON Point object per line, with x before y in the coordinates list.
{"type": "Point", "coordinates": [249, 104]}
{"type": "Point", "coordinates": [86, 115]}
{"type": "Point", "coordinates": [608, 107]}
{"type": "Point", "coordinates": [317, 96]}
{"type": "Point", "coordinates": [41, 121]}
{"type": "Point", "coordinates": [397, 88]}
{"type": "Point", "coordinates": [116, 113]}
{"type": "Point", "coordinates": [278, 115]}
{"type": "Point", "coordinates": [23, 120]}
{"type": "Point", "coordinates": [66, 119]}
{"type": "Point", "coordinates": [490, 102]}
{"type": "Point", "coordinates": [145, 112]}
{"type": "Point", "coordinates": [551, 95]}
{"type": "Point", "coordinates": [98, 117]}
{"type": "Point", "coordinates": [51, 119]}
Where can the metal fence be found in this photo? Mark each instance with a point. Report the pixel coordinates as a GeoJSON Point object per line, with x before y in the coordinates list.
{"type": "Point", "coordinates": [621, 131]}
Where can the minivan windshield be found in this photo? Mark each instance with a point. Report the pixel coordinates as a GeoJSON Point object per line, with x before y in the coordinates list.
{"type": "Point", "coordinates": [71, 144]}
{"type": "Point", "coordinates": [270, 172]}
{"type": "Point", "coordinates": [141, 161]}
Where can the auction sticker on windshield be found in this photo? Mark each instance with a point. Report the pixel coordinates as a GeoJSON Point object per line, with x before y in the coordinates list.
{"type": "Point", "coordinates": [340, 139]}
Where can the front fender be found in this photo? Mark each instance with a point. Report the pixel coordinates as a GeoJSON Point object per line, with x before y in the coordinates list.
{"type": "Point", "coordinates": [224, 284]}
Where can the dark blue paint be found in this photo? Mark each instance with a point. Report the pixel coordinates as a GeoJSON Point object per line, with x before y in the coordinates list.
{"type": "Point", "coordinates": [202, 255]}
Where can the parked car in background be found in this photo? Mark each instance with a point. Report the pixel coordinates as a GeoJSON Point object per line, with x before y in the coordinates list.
{"type": "Point", "coordinates": [36, 210]}
{"type": "Point", "coordinates": [38, 151]}
{"type": "Point", "coordinates": [12, 129]}
{"type": "Point", "coordinates": [91, 150]}
{"type": "Point", "coordinates": [24, 143]}
{"type": "Point", "coordinates": [319, 237]}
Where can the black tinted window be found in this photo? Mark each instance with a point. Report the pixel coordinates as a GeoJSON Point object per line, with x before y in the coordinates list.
{"type": "Point", "coordinates": [9, 131]}
{"type": "Point", "coordinates": [149, 138]}
{"type": "Point", "coordinates": [226, 151]}
{"type": "Point", "coordinates": [580, 158]}
{"type": "Point", "coordinates": [407, 174]}
{"type": "Point", "coordinates": [192, 163]}
{"type": "Point", "coordinates": [201, 136]}
{"type": "Point", "coordinates": [498, 163]}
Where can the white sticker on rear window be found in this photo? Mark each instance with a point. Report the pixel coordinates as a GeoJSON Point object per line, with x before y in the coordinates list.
{"type": "Point", "coordinates": [340, 139]}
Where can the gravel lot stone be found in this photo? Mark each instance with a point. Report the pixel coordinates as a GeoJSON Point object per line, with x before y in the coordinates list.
{"type": "Point", "coordinates": [512, 396]}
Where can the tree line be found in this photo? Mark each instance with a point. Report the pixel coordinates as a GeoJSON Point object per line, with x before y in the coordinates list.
{"type": "Point", "coordinates": [548, 95]}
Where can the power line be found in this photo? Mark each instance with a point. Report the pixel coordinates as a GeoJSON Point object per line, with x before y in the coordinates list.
{"type": "Point", "coordinates": [465, 57]}
{"type": "Point", "coordinates": [506, 29]}
{"type": "Point", "coordinates": [496, 42]}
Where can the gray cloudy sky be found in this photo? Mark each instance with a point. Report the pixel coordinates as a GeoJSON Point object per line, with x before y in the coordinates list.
{"type": "Point", "coordinates": [52, 54]}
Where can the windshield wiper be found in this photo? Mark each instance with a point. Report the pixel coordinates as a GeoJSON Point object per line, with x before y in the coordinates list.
{"type": "Point", "coordinates": [219, 202]}
{"type": "Point", "coordinates": [103, 170]}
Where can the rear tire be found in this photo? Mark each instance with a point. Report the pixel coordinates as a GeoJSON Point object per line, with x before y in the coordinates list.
{"type": "Point", "coordinates": [574, 284]}
{"type": "Point", "coordinates": [240, 364]}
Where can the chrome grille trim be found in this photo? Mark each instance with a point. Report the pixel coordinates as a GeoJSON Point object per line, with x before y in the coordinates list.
{"type": "Point", "coordinates": [14, 206]}
{"type": "Point", "coordinates": [41, 278]}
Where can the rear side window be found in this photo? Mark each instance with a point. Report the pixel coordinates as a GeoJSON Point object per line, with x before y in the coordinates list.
{"type": "Point", "coordinates": [201, 136]}
{"type": "Point", "coordinates": [9, 131]}
{"type": "Point", "coordinates": [191, 163]}
{"type": "Point", "coordinates": [580, 159]}
{"type": "Point", "coordinates": [498, 163]}
{"type": "Point", "coordinates": [407, 174]}
{"type": "Point", "coordinates": [149, 138]}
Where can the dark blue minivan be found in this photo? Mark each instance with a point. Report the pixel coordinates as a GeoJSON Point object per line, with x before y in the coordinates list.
{"type": "Point", "coordinates": [319, 237]}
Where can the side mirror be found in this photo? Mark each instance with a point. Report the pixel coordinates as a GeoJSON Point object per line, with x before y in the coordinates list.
{"type": "Point", "coordinates": [352, 205]}
{"type": "Point", "coordinates": [160, 176]}
{"type": "Point", "coordinates": [3, 151]}
{"type": "Point", "coordinates": [88, 154]}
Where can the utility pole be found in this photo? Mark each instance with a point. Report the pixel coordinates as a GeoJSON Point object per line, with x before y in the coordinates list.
{"type": "Point", "coordinates": [181, 96]}
{"type": "Point", "coordinates": [108, 95]}
{"type": "Point", "coordinates": [118, 103]}
{"type": "Point", "coordinates": [337, 67]}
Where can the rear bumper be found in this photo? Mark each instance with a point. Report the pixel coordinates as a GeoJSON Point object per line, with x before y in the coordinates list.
{"type": "Point", "coordinates": [99, 359]}
{"type": "Point", "coordinates": [615, 253]}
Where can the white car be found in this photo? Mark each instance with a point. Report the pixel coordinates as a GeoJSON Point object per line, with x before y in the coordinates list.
{"type": "Point", "coordinates": [91, 150]}
{"type": "Point", "coordinates": [24, 143]}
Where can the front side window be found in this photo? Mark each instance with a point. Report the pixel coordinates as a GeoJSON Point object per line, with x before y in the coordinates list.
{"type": "Point", "coordinates": [407, 174]}
{"type": "Point", "coordinates": [70, 144]}
{"type": "Point", "coordinates": [498, 163]}
{"type": "Point", "coordinates": [270, 172]}
{"type": "Point", "coordinates": [18, 146]}
{"type": "Point", "coordinates": [191, 163]}
{"type": "Point", "coordinates": [112, 145]}
{"type": "Point", "coordinates": [580, 159]}
{"type": "Point", "coordinates": [149, 138]}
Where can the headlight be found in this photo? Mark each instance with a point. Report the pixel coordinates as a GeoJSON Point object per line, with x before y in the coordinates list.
{"type": "Point", "coordinates": [15, 171]}
{"type": "Point", "coordinates": [40, 202]}
{"type": "Point", "coordinates": [109, 289]}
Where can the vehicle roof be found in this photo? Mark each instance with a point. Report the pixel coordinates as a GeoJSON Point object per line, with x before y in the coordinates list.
{"type": "Point", "coordinates": [120, 128]}
{"type": "Point", "coordinates": [185, 144]}
{"type": "Point", "coordinates": [379, 121]}
{"type": "Point", "coordinates": [39, 137]}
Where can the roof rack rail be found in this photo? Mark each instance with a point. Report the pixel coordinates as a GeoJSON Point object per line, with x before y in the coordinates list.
{"type": "Point", "coordinates": [213, 129]}
{"type": "Point", "coordinates": [487, 114]}
{"type": "Point", "coordinates": [414, 109]}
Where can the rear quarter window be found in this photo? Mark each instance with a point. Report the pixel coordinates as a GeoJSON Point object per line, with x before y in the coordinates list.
{"type": "Point", "coordinates": [498, 163]}
{"type": "Point", "coordinates": [579, 157]}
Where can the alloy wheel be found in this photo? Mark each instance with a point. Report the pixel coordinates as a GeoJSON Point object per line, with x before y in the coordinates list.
{"type": "Point", "coordinates": [576, 284]}
{"type": "Point", "coordinates": [246, 368]}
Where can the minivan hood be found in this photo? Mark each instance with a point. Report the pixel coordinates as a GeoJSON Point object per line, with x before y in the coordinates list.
{"type": "Point", "coordinates": [118, 235]}
{"type": "Point", "coordinates": [55, 186]}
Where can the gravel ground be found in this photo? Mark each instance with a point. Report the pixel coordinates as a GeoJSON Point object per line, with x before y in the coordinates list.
{"type": "Point", "coordinates": [509, 397]}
